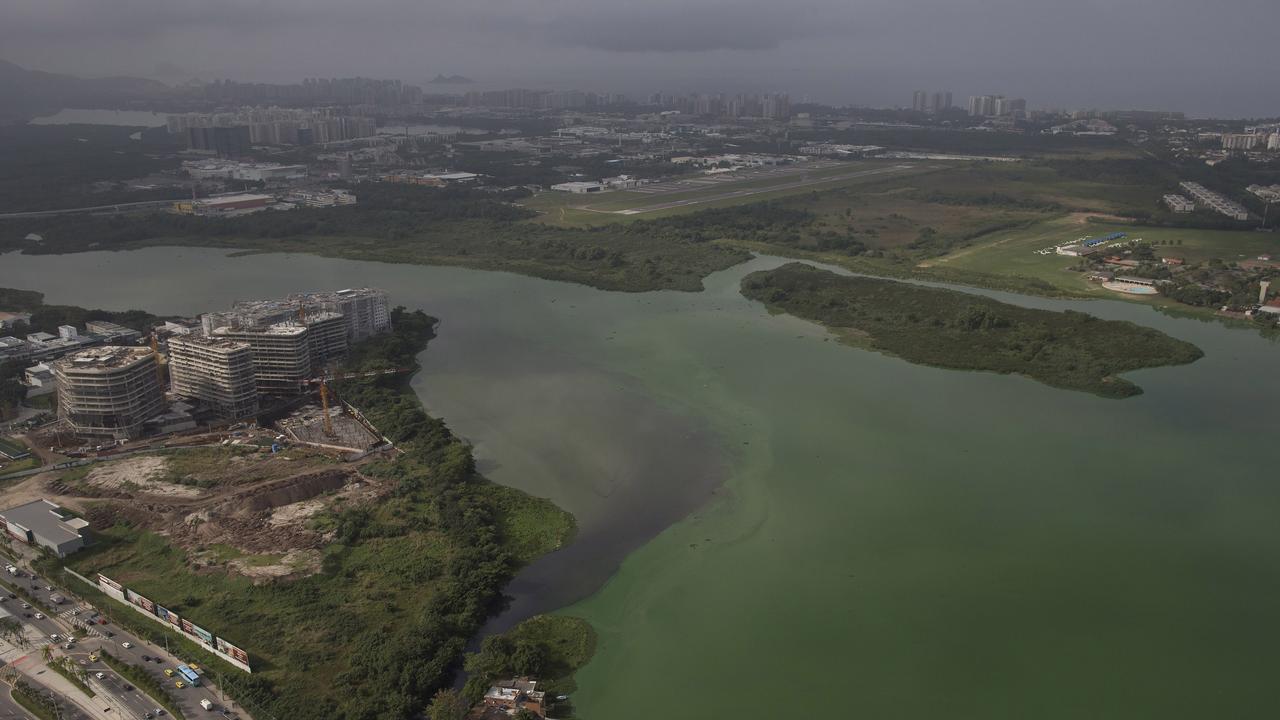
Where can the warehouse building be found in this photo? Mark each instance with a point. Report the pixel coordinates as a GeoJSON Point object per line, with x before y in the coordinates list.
{"type": "Point", "coordinates": [42, 523]}
{"type": "Point", "coordinates": [108, 391]}
{"type": "Point", "coordinates": [218, 372]}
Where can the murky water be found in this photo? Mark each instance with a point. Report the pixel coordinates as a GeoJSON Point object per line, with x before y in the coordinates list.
{"type": "Point", "coordinates": [868, 537]}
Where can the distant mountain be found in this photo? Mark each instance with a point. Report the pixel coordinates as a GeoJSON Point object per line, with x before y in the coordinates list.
{"type": "Point", "coordinates": [451, 80]}
{"type": "Point", "coordinates": [32, 91]}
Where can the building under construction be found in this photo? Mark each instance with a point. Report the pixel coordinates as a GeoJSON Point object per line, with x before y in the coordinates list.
{"type": "Point", "coordinates": [217, 371]}
{"type": "Point", "coordinates": [285, 354]}
{"type": "Point", "coordinates": [364, 311]}
{"type": "Point", "coordinates": [109, 391]}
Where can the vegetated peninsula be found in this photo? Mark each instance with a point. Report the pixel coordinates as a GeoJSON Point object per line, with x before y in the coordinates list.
{"type": "Point", "coordinates": [951, 329]}
{"type": "Point", "coordinates": [379, 587]}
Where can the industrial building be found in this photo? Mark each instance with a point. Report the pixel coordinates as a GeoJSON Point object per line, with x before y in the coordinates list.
{"type": "Point", "coordinates": [42, 523]}
{"type": "Point", "coordinates": [109, 391]}
{"type": "Point", "coordinates": [225, 205]}
{"type": "Point", "coordinates": [218, 372]}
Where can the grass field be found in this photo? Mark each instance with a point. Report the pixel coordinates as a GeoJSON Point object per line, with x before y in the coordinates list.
{"type": "Point", "coordinates": [569, 210]}
{"type": "Point", "coordinates": [1015, 252]}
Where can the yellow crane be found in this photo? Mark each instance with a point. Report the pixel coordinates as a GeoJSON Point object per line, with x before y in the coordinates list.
{"type": "Point", "coordinates": [324, 380]}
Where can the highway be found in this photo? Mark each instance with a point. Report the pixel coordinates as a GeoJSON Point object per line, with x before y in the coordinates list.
{"type": "Point", "coordinates": [94, 632]}
{"type": "Point", "coordinates": [117, 208]}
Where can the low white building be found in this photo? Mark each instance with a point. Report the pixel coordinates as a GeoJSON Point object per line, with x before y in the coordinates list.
{"type": "Point", "coordinates": [1178, 203]}
{"type": "Point", "coordinates": [579, 187]}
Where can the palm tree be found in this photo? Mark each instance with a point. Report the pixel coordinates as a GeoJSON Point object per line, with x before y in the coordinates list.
{"type": "Point", "coordinates": [47, 653]}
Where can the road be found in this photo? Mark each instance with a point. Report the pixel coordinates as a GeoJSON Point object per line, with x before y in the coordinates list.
{"type": "Point", "coordinates": [94, 632]}
{"type": "Point", "coordinates": [9, 708]}
{"type": "Point", "coordinates": [804, 181]}
{"type": "Point", "coordinates": [117, 208]}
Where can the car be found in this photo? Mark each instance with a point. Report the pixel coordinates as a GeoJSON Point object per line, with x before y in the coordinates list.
{"type": "Point", "coordinates": [75, 612]}
{"type": "Point", "coordinates": [128, 687]}
{"type": "Point", "coordinates": [26, 605]}
{"type": "Point", "coordinates": [48, 588]}
{"type": "Point", "coordinates": [146, 716]}
{"type": "Point", "coordinates": [93, 657]}
{"type": "Point", "coordinates": [159, 712]}
{"type": "Point", "coordinates": [54, 637]}
{"type": "Point", "coordinates": [194, 666]}
{"type": "Point", "coordinates": [146, 658]}
{"type": "Point", "coordinates": [126, 644]}
{"type": "Point", "coordinates": [179, 684]}
{"type": "Point", "coordinates": [110, 634]}
{"type": "Point", "coordinates": [168, 672]}
{"type": "Point", "coordinates": [99, 675]}
{"type": "Point", "coordinates": [39, 616]}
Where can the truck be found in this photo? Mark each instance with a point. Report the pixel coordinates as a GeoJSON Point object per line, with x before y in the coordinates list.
{"type": "Point", "coordinates": [204, 703]}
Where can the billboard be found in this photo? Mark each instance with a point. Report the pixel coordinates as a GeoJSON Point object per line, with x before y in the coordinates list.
{"type": "Point", "coordinates": [141, 602]}
{"type": "Point", "coordinates": [234, 652]}
{"type": "Point", "coordinates": [203, 634]}
{"type": "Point", "coordinates": [162, 613]}
{"type": "Point", "coordinates": [111, 587]}
{"type": "Point", "coordinates": [174, 620]}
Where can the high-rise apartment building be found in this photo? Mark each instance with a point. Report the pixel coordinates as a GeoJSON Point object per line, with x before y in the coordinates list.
{"type": "Point", "coordinates": [108, 391]}
{"type": "Point", "coordinates": [920, 101]}
{"type": "Point", "coordinates": [216, 371]}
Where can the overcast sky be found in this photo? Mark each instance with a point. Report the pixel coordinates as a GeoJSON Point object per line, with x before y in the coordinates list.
{"type": "Point", "coordinates": [1216, 58]}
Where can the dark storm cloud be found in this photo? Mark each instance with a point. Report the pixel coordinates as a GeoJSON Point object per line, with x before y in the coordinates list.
{"type": "Point", "coordinates": [666, 27]}
{"type": "Point", "coordinates": [1208, 58]}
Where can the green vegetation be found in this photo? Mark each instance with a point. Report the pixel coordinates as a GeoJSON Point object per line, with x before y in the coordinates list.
{"type": "Point", "coordinates": [66, 166]}
{"type": "Point", "coordinates": [47, 318]}
{"type": "Point", "coordinates": [950, 329]}
{"type": "Point", "coordinates": [408, 224]}
{"type": "Point", "coordinates": [549, 648]}
{"type": "Point", "coordinates": [67, 668]}
{"type": "Point", "coordinates": [139, 676]}
{"type": "Point", "coordinates": [39, 704]}
{"type": "Point", "coordinates": [403, 584]}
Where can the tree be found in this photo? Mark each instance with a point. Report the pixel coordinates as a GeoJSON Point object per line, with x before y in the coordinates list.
{"type": "Point", "coordinates": [447, 705]}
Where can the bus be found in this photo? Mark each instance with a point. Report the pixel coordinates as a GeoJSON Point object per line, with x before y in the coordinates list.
{"type": "Point", "coordinates": [188, 675]}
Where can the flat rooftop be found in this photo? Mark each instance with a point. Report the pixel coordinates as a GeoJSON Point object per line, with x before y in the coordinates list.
{"type": "Point", "coordinates": [109, 357]}
{"type": "Point", "coordinates": [44, 519]}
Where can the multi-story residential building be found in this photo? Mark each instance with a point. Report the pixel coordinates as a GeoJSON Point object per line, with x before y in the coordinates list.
{"type": "Point", "coordinates": [1179, 203]}
{"type": "Point", "coordinates": [109, 391]}
{"type": "Point", "coordinates": [218, 372]}
{"type": "Point", "coordinates": [1239, 141]}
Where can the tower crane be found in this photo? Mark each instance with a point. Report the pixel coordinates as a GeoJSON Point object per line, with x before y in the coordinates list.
{"type": "Point", "coordinates": [323, 382]}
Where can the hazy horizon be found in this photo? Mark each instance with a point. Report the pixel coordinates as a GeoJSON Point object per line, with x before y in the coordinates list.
{"type": "Point", "coordinates": [1143, 54]}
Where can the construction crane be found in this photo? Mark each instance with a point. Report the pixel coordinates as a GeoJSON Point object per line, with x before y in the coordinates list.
{"type": "Point", "coordinates": [324, 380]}
{"type": "Point", "coordinates": [155, 351]}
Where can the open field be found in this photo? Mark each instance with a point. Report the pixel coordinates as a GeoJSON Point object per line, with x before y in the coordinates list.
{"type": "Point", "coordinates": [1016, 252]}
{"type": "Point", "coordinates": [690, 195]}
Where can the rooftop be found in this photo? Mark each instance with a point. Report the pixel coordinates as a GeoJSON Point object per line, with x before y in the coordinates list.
{"type": "Point", "coordinates": [105, 358]}
{"type": "Point", "coordinates": [43, 518]}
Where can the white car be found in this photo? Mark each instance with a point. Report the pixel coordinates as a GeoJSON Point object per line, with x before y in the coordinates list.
{"type": "Point", "coordinates": [99, 675]}
{"type": "Point", "coordinates": [39, 616]}
{"type": "Point", "coordinates": [126, 644]}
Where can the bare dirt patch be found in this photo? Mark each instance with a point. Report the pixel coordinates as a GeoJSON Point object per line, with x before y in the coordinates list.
{"type": "Point", "coordinates": [138, 474]}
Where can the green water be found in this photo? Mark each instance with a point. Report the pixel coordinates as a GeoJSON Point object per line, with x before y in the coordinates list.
{"type": "Point", "coordinates": [889, 541]}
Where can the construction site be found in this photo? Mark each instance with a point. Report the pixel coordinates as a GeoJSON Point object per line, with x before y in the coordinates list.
{"type": "Point", "coordinates": [246, 505]}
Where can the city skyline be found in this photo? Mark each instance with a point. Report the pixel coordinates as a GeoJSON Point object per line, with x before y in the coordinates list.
{"type": "Point", "coordinates": [828, 52]}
